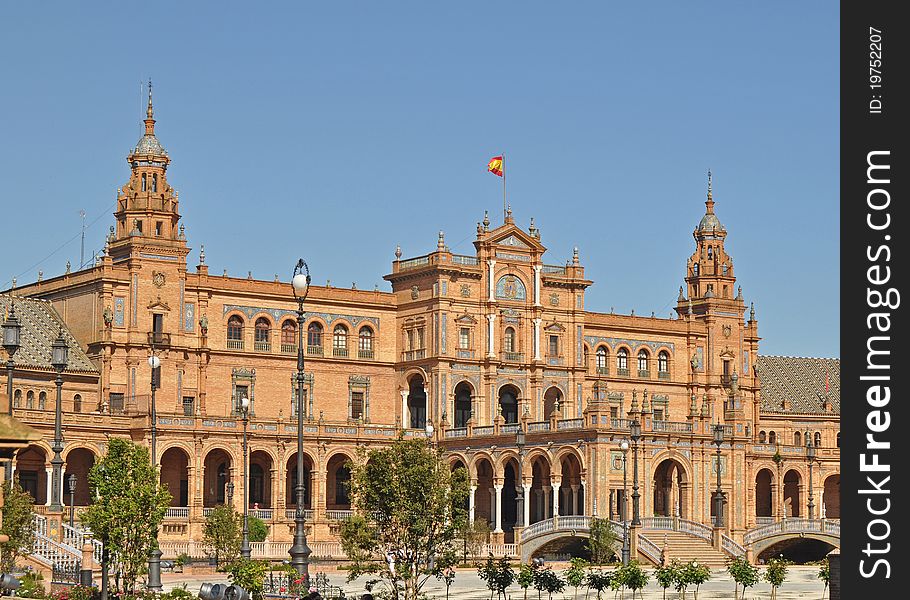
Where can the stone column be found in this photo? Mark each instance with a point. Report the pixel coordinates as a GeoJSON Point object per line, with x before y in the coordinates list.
{"type": "Point", "coordinates": [491, 335]}
{"type": "Point", "coordinates": [190, 489]}
{"type": "Point", "coordinates": [775, 501]}
{"type": "Point", "coordinates": [556, 485]}
{"type": "Point", "coordinates": [547, 498]}
{"type": "Point", "coordinates": [526, 487]}
{"type": "Point", "coordinates": [471, 504]}
{"type": "Point", "coordinates": [498, 494]}
{"type": "Point", "coordinates": [48, 482]}
{"type": "Point", "coordinates": [492, 265]}
{"type": "Point", "coordinates": [274, 490]}
{"type": "Point", "coordinates": [584, 497]}
{"type": "Point", "coordinates": [574, 488]}
{"type": "Point", "coordinates": [405, 418]}
{"type": "Point", "coordinates": [537, 339]}
{"type": "Point", "coordinates": [537, 269]}
{"type": "Point", "coordinates": [318, 491]}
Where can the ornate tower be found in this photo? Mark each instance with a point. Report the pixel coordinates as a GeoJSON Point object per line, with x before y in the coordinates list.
{"type": "Point", "coordinates": [147, 207]}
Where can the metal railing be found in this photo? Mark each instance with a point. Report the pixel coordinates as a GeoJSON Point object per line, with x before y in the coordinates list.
{"type": "Point", "coordinates": [413, 354]}
{"type": "Point", "coordinates": [462, 259]}
{"type": "Point", "coordinates": [343, 352]}
{"type": "Point", "coordinates": [314, 350]}
{"type": "Point", "coordinates": [553, 270]}
{"type": "Point", "coordinates": [485, 430]}
{"type": "Point", "coordinates": [289, 348]}
{"type": "Point", "coordinates": [413, 263]}
{"type": "Point", "coordinates": [513, 356]}
{"type": "Point", "coordinates": [368, 354]}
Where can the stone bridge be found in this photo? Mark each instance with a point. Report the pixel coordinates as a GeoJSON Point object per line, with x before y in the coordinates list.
{"type": "Point", "coordinates": [539, 534]}
{"type": "Point", "coordinates": [764, 536]}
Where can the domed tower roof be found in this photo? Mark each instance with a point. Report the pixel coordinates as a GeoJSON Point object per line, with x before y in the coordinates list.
{"type": "Point", "coordinates": [148, 143]}
{"type": "Point", "coordinates": [710, 222]}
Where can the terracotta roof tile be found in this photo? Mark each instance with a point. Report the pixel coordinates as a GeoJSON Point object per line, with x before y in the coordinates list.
{"type": "Point", "coordinates": [40, 326]}
{"type": "Point", "coordinates": [797, 384]}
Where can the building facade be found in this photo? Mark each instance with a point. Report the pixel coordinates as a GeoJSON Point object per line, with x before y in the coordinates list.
{"type": "Point", "coordinates": [479, 346]}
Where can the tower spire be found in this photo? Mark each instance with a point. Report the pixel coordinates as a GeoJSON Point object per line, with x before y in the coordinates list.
{"type": "Point", "coordinates": [710, 201]}
{"type": "Point", "coordinates": [150, 114]}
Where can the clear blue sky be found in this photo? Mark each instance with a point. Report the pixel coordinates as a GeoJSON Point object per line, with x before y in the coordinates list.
{"type": "Point", "coordinates": [335, 131]}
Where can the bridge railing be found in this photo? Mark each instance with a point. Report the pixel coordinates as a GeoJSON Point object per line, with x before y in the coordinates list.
{"type": "Point", "coordinates": [730, 546]}
{"type": "Point", "coordinates": [676, 524]}
{"type": "Point", "coordinates": [649, 549]}
{"type": "Point", "coordinates": [792, 525]}
{"type": "Point", "coordinates": [558, 523]}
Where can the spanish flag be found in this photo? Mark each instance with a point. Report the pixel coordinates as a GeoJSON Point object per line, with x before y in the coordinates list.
{"type": "Point", "coordinates": [495, 166]}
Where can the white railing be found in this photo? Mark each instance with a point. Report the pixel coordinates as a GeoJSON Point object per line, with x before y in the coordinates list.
{"type": "Point", "coordinates": [40, 524]}
{"type": "Point", "coordinates": [76, 538]}
{"type": "Point", "coordinates": [564, 522]}
{"type": "Point", "coordinates": [764, 520]}
{"type": "Point", "coordinates": [730, 546]}
{"type": "Point", "coordinates": [677, 524]}
{"type": "Point", "coordinates": [49, 551]}
{"type": "Point", "coordinates": [269, 549]}
{"type": "Point", "coordinates": [338, 515]}
{"type": "Point", "coordinates": [792, 525]}
{"type": "Point", "coordinates": [696, 529]}
{"type": "Point", "coordinates": [500, 550]}
{"type": "Point", "coordinates": [663, 523]}
{"type": "Point", "coordinates": [261, 513]}
{"type": "Point", "coordinates": [207, 511]}
{"type": "Point", "coordinates": [461, 259]}
{"type": "Point", "coordinates": [573, 522]}
{"type": "Point", "coordinates": [537, 528]}
{"type": "Point", "coordinates": [648, 548]}
{"type": "Point", "coordinates": [177, 512]}
{"type": "Point", "coordinates": [291, 513]}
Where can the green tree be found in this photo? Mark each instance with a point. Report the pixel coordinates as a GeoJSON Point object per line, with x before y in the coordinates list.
{"type": "Point", "coordinates": [18, 525]}
{"type": "Point", "coordinates": [128, 507]}
{"type": "Point", "coordinates": [575, 574]}
{"type": "Point", "coordinates": [599, 580]}
{"type": "Point", "coordinates": [550, 582]}
{"type": "Point", "coordinates": [525, 577]}
{"type": "Point", "coordinates": [824, 573]}
{"type": "Point", "coordinates": [776, 574]}
{"type": "Point", "coordinates": [410, 508]}
{"type": "Point", "coordinates": [743, 574]}
{"type": "Point", "coordinates": [258, 529]}
{"type": "Point", "coordinates": [696, 574]}
{"type": "Point", "coordinates": [666, 576]}
{"type": "Point", "coordinates": [498, 575]}
{"type": "Point", "coordinates": [635, 577]}
{"type": "Point", "coordinates": [222, 534]}
{"type": "Point", "coordinates": [601, 541]}
{"type": "Point", "coordinates": [249, 574]}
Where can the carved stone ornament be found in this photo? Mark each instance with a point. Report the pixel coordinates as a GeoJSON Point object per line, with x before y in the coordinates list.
{"type": "Point", "coordinates": [415, 292]}
{"type": "Point", "coordinates": [108, 316]}
{"type": "Point", "coordinates": [158, 278]}
{"type": "Point", "coordinates": [465, 290]}
{"type": "Point", "coordinates": [554, 299]}
{"type": "Point", "coordinates": [727, 330]}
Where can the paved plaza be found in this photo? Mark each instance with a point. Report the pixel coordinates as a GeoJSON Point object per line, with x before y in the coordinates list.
{"type": "Point", "coordinates": [801, 583]}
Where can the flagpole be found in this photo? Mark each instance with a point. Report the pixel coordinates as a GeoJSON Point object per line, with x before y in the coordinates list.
{"type": "Point", "coordinates": [504, 206]}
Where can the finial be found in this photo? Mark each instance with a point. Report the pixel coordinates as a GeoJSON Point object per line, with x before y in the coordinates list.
{"type": "Point", "coordinates": [182, 230]}
{"type": "Point", "coordinates": [14, 286]}
{"type": "Point", "coordinates": [40, 275]}
{"type": "Point", "coordinates": [148, 112]}
{"type": "Point", "coordinates": [710, 201]}
{"type": "Point", "coordinates": [751, 311]}
{"type": "Point", "coordinates": [276, 279]}
{"type": "Point", "coordinates": [690, 306]}
{"type": "Point", "coordinates": [652, 314]}
{"type": "Point", "coordinates": [575, 256]}
{"type": "Point", "coordinates": [397, 252]}
{"type": "Point", "coordinates": [353, 285]}
{"type": "Point", "coordinates": [533, 230]}
{"type": "Point", "coordinates": [681, 296]}
{"type": "Point", "coordinates": [202, 254]}
{"type": "Point", "coordinates": [249, 274]}
{"type": "Point", "coordinates": [739, 292]}
{"type": "Point", "coordinates": [224, 274]}
{"type": "Point", "coordinates": [441, 243]}
{"type": "Point", "coordinates": [486, 220]}
{"type": "Point", "coordinates": [509, 212]}
{"type": "Point", "coordinates": [375, 287]}
{"type": "Point", "coordinates": [709, 183]}
{"type": "Point", "coordinates": [68, 267]}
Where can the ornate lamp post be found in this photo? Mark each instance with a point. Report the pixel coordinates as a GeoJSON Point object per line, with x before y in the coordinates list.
{"type": "Point", "coordinates": [12, 329]}
{"type": "Point", "coordinates": [245, 544]}
{"type": "Point", "coordinates": [635, 427]}
{"type": "Point", "coordinates": [229, 489]}
{"type": "Point", "coordinates": [624, 446]}
{"type": "Point", "coordinates": [300, 551]}
{"type": "Point", "coordinates": [59, 359]}
{"type": "Point", "coordinates": [810, 455]}
{"type": "Point", "coordinates": [718, 493]}
{"type": "Point", "coordinates": [520, 444]}
{"type": "Point", "coordinates": [72, 485]}
{"type": "Point", "coordinates": [154, 580]}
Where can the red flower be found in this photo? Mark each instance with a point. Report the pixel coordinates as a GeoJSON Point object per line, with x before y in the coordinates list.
{"type": "Point", "coordinates": [282, 590]}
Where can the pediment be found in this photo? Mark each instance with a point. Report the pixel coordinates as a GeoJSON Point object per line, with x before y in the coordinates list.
{"type": "Point", "coordinates": [159, 304]}
{"type": "Point", "coordinates": [513, 242]}
{"type": "Point", "coordinates": [554, 327]}
{"type": "Point", "coordinates": [466, 318]}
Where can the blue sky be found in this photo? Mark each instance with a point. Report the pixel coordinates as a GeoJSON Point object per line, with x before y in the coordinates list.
{"type": "Point", "coordinates": [335, 131]}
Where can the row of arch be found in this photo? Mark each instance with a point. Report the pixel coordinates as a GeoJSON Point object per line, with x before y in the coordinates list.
{"type": "Point", "coordinates": [262, 333]}
{"type": "Point", "coordinates": [219, 466]}
{"type": "Point", "coordinates": [602, 359]}
{"type": "Point", "coordinates": [39, 402]}
{"type": "Point", "coordinates": [799, 438]}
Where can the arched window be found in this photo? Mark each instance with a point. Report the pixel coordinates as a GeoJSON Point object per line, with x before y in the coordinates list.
{"type": "Point", "coordinates": [235, 332]}
{"type": "Point", "coordinates": [772, 438]}
{"type": "Point", "coordinates": [695, 269]}
{"type": "Point", "coordinates": [314, 337]}
{"type": "Point", "coordinates": [77, 403]}
{"type": "Point", "coordinates": [288, 336]}
{"type": "Point", "coordinates": [144, 185]}
{"type": "Point", "coordinates": [725, 268]}
{"type": "Point", "coordinates": [509, 340]}
{"type": "Point", "coordinates": [622, 361]}
{"type": "Point", "coordinates": [761, 437]}
{"type": "Point", "coordinates": [818, 438]}
{"type": "Point", "coordinates": [797, 439]}
{"type": "Point", "coordinates": [340, 341]}
{"type": "Point", "coordinates": [42, 400]}
{"type": "Point", "coordinates": [642, 361]}
{"type": "Point", "coordinates": [601, 357]}
{"type": "Point", "coordinates": [663, 362]}
{"type": "Point", "coordinates": [17, 399]}
{"type": "Point", "coordinates": [342, 485]}
{"type": "Point", "coordinates": [365, 343]}
{"type": "Point", "coordinates": [155, 182]}
{"type": "Point", "coordinates": [262, 334]}
{"type": "Point", "coordinates": [30, 399]}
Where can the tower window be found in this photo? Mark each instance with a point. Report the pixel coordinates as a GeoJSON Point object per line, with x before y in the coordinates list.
{"type": "Point", "coordinates": [158, 226]}
{"type": "Point", "coordinates": [144, 184]}
{"type": "Point", "coordinates": [509, 340]}
{"type": "Point", "coordinates": [155, 182]}
{"type": "Point", "coordinates": [622, 361]}
{"type": "Point", "coordinates": [464, 338]}
{"type": "Point", "coordinates": [663, 362]}
{"type": "Point", "coordinates": [695, 269]}
{"type": "Point", "coordinates": [642, 360]}
{"type": "Point", "coordinates": [554, 345]}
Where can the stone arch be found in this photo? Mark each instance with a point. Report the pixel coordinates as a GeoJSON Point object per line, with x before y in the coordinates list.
{"type": "Point", "coordinates": [475, 461]}
{"type": "Point", "coordinates": [510, 468]}
{"type": "Point", "coordinates": [792, 493]}
{"type": "Point", "coordinates": [463, 404]}
{"type": "Point", "coordinates": [571, 492]}
{"type": "Point", "coordinates": [670, 480]}
{"type": "Point", "coordinates": [503, 459]}
{"type": "Point", "coordinates": [541, 493]}
{"type": "Point", "coordinates": [338, 481]}
{"type": "Point", "coordinates": [484, 478]}
{"type": "Point", "coordinates": [831, 496]}
{"type": "Point", "coordinates": [551, 397]}
{"type": "Point", "coordinates": [456, 460]}
{"type": "Point", "coordinates": [417, 404]}
{"type": "Point", "coordinates": [507, 401]}
{"type": "Point", "coordinates": [290, 474]}
{"type": "Point", "coordinates": [175, 462]}
{"type": "Point", "coordinates": [31, 471]}
{"type": "Point", "coordinates": [217, 470]}
{"type": "Point", "coordinates": [79, 461]}
{"type": "Point", "coordinates": [764, 492]}
{"type": "Point", "coordinates": [260, 479]}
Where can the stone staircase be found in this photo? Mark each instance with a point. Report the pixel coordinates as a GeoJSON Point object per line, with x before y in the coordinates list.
{"type": "Point", "coordinates": [684, 547]}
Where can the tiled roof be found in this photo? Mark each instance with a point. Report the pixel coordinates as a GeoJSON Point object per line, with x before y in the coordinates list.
{"type": "Point", "coordinates": [801, 382]}
{"type": "Point", "coordinates": [40, 327]}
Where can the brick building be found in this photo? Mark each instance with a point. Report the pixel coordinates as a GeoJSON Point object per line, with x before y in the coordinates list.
{"type": "Point", "coordinates": [479, 346]}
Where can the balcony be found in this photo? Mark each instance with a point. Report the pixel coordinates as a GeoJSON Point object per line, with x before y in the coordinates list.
{"type": "Point", "coordinates": [289, 348]}
{"type": "Point", "coordinates": [413, 355]}
{"type": "Point", "coordinates": [235, 344]}
{"type": "Point", "coordinates": [513, 357]}
{"type": "Point", "coordinates": [159, 339]}
{"type": "Point", "coordinates": [644, 374]}
{"type": "Point", "coordinates": [342, 352]}
{"type": "Point", "coordinates": [622, 372]}
{"type": "Point", "coordinates": [314, 350]}
{"type": "Point", "coordinates": [367, 354]}
{"type": "Point", "coordinates": [262, 346]}
{"type": "Point", "coordinates": [665, 375]}
{"type": "Point", "coordinates": [177, 512]}
{"type": "Point", "coordinates": [602, 370]}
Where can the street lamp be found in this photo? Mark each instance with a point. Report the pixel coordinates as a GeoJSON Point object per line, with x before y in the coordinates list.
{"type": "Point", "coordinates": [624, 446]}
{"type": "Point", "coordinates": [72, 485]}
{"type": "Point", "coordinates": [12, 330]}
{"type": "Point", "coordinates": [520, 444]}
{"type": "Point", "coordinates": [300, 551]}
{"type": "Point", "coordinates": [154, 562]}
{"type": "Point", "coordinates": [635, 428]}
{"type": "Point", "coordinates": [245, 544]}
{"type": "Point", "coordinates": [810, 454]}
{"type": "Point", "coordinates": [718, 494]}
{"type": "Point", "coordinates": [59, 359]}
{"type": "Point", "coordinates": [229, 488]}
